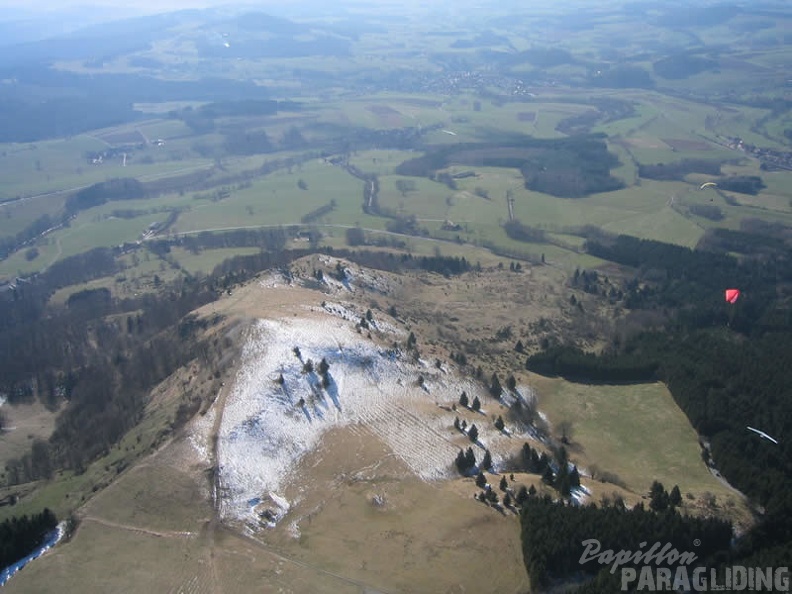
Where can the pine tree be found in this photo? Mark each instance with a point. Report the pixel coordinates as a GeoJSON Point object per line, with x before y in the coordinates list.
{"type": "Point", "coordinates": [456, 423]}
{"type": "Point", "coordinates": [658, 497]}
{"type": "Point", "coordinates": [476, 404]}
{"type": "Point", "coordinates": [461, 462]}
{"type": "Point", "coordinates": [487, 461]}
{"type": "Point", "coordinates": [519, 347]}
{"type": "Point", "coordinates": [308, 367]}
{"type": "Point", "coordinates": [562, 457]}
{"type": "Point", "coordinates": [470, 458]}
{"type": "Point", "coordinates": [369, 316]}
{"type": "Point", "coordinates": [473, 433]}
{"type": "Point", "coordinates": [574, 478]}
{"type": "Point", "coordinates": [522, 495]}
{"type": "Point", "coordinates": [481, 480]}
{"type": "Point", "coordinates": [675, 498]}
{"type": "Point", "coordinates": [463, 399]}
{"type": "Point", "coordinates": [511, 383]}
{"type": "Point", "coordinates": [543, 463]}
{"type": "Point", "coordinates": [499, 423]}
{"type": "Point", "coordinates": [324, 367]}
{"type": "Point", "coordinates": [536, 463]}
{"type": "Point", "coordinates": [495, 386]}
{"type": "Point", "coordinates": [526, 457]}
{"type": "Point", "coordinates": [562, 482]}
{"type": "Point", "coordinates": [547, 476]}
{"type": "Point", "coordinates": [531, 491]}
{"type": "Point", "coordinates": [296, 351]}
{"type": "Point", "coordinates": [507, 500]}
{"type": "Point", "coordinates": [503, 483]}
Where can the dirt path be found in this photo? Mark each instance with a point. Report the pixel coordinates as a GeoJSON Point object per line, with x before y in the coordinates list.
{"type": "Point", "coordinates": [138, 529]}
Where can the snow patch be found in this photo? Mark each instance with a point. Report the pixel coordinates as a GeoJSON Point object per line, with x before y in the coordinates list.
{"type": "Point", "coordinates": [267, 427]}
{"type": "Point", "coordinates": [580, 494]}
{"type": "Point", "coordinates": [198, 437]}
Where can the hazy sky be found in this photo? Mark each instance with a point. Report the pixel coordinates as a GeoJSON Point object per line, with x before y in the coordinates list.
{"type": "Point", "coordinates": [137, 6]}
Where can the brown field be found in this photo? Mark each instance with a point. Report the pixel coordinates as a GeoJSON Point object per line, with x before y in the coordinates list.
{"type": "Point", "coordinates": [420, 102]}
{"type": "Point", "coordinates": [24, 422]}
{"type": "Point", "coordinates": [387, 115]}
{"type": "Point", "coordinates": [645, 143]}
{"type": "Point", "coordinates": [682, 144]}
{"type": "Point", "coordinates": [425, 537]}
{"type": "Point", "coordinates": [121, 138]}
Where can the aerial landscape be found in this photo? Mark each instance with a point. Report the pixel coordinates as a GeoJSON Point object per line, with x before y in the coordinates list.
{"type": "Point", "coordinates": [396, 297]}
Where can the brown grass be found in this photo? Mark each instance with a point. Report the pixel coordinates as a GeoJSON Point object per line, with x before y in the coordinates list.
{"type": "Point", "coordinates": [24, 423]}
{"type": "Point", "coordinates": [682, 144]}
{"type": "Point", "coordinates": [426, 537]}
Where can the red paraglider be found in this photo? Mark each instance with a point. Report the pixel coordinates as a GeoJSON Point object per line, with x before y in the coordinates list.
{"type": "Point", "coordinates": [732, 295]}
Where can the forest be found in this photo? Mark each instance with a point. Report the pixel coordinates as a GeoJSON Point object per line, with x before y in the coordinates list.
{"type": "Point", "coordinates": [553, 533]}
{"type": "Point", "coordinates": [567, 167]}
{"type": "Point", "coordinates": [104, 355]}
{"type": "Point", "coordinates": [728, 366]}
{"type": "Point", "coordinates": [21, 536]}
{"type": "Point", "coordinates": [80, 103]}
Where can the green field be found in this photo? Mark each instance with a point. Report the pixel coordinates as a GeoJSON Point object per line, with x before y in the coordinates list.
{"type": "Point", "coordinates": [660, 131]}
{"type": "Point", "coordinates": [635, 431]}
{"type": "Point", "coordinates": [277, 200]}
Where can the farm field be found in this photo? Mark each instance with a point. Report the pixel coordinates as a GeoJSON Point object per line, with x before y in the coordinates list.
{"type": "Point", "coordinates": [663, 130]}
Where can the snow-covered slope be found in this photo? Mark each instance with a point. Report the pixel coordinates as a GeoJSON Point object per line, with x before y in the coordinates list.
{"type": "Point", "coordinates": [268, 426]}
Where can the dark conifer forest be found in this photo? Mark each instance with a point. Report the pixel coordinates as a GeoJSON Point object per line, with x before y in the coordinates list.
{"type": "Point", "coordinates": [20, 536]}
{"type": "Point", "coordinates": [728, 366]}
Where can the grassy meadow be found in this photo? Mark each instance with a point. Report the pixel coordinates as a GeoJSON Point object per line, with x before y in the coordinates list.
{"type": "Point", "coordinates": [635, 432]}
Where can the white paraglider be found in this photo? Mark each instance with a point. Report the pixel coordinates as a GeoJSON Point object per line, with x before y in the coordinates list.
{"type": "Point", "coordinates": [763, 434]}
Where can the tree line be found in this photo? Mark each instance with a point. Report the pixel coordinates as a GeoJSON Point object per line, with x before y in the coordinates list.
{"type": "Point", "coordinates": [567, 167]}
{"type": "Point", "coordinates": [726, 365]}
{"type": "Point", "coordinates": [553, 533]}
{"type": "Point", "coordinates": [21, 536]}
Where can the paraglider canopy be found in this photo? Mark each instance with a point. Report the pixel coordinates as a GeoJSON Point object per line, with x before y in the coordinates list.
{"type": "Point", "coordinates": [708, 184]}
{"type": "Point", "coordinates": [732, 295]}
{"type": "Point", "coordinates": [763, 434]}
